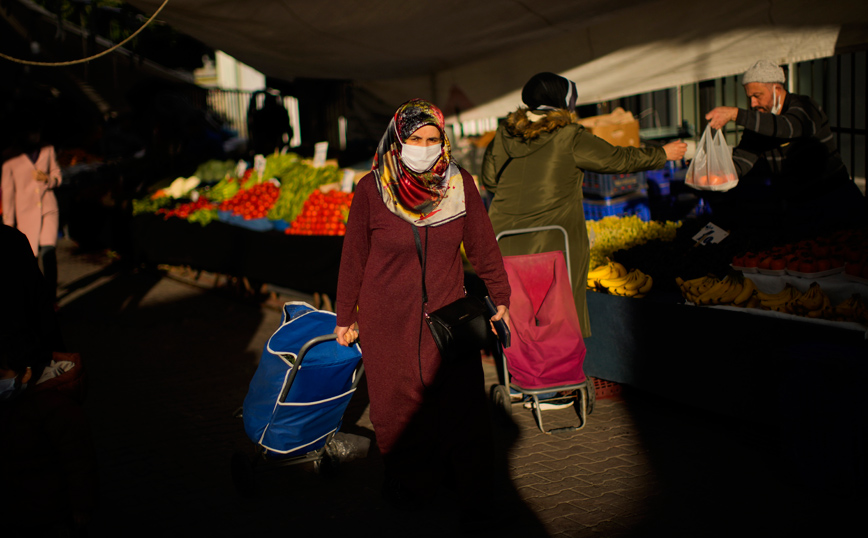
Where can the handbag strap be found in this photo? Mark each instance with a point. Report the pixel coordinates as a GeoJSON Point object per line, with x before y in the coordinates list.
{"type": "Point", "coordinates": [422, 260]}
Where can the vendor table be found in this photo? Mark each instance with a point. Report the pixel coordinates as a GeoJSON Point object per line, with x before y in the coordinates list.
{"type": "Point", "coordinates": [307, 264]}
{"type": "Point", "coordinates": [805, 380]}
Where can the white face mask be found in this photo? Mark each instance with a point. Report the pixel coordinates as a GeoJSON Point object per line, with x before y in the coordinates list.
{"type": "Point", "coordinates": [420, 158]}
{"type": "Point", "coordinates": [776, 105]}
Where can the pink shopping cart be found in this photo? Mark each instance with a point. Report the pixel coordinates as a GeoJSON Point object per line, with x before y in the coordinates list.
{"type": "Point", "coordinates": [547, 350]}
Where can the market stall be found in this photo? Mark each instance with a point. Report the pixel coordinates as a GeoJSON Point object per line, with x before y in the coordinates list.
{"type": "Point", "coordinates": [280, 222]}
{"type": "Point", "coordinates": [754, 346]}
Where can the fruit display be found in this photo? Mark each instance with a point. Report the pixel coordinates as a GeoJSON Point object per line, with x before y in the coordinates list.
{"type": "Point", "coordinates": [741, 291]}
{"type": "Point", "coordinates": [278, 193]}
{"type": "Point", "coordinates": [733, 289]}
{"type": "Point", "coordinates": [201, 211]}
{"type": "Point", "coordinates": [616, 279]}
{"type": "Point", "coordinates": [852, 309]}
{"type": "Point", "coordinates": [822, 255]}
{"type": "Point", "coordinates": [611, 234]}
{"type": "Point", "coordinates": [323, 213]}
{"type": "Point", "coordinates": [252, 203]}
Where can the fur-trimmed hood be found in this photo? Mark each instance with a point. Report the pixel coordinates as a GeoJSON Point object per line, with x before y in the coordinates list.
{"type": "Point", "coordinates": [519, 125]}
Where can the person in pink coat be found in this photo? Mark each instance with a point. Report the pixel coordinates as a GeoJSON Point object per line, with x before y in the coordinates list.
{"type": "Point", "coordinates": [29, 204]}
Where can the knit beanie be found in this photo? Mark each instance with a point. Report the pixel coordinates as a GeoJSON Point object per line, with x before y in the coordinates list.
{"type": "Point", "coordinates": [764, 71]}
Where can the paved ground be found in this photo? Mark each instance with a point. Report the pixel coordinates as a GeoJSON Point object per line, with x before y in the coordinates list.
{"type": "Point", "coordinates": [168, 363]}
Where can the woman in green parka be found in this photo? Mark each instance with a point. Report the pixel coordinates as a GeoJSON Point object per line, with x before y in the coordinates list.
{"type": "Point", "coordinates": [535, 167]}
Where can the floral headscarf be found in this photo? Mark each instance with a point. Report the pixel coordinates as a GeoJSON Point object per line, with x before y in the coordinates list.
{"type": "Point", "coordinates": [428, 198]}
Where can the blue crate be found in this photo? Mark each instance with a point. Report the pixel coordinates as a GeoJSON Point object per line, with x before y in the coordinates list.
{"type": "Point", "coordinates": [658, 182]}
{"type": "Point", "coordinates": [621, 206]}
{"type": "Point", "coordinates": [606, 185]}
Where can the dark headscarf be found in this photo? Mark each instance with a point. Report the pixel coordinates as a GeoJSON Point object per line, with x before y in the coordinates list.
{"type": "Point", "coordinates": [548, 91]}
{"type": "Point", "coordinates": [422, 198]}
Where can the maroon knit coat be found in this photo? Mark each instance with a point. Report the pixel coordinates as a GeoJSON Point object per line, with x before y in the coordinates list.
{"type": "Point", "coordinates": [381, 274]}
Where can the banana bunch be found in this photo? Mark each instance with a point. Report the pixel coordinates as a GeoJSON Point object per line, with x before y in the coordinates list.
{"type": "Point", "coordinates": [853, 309]}
{"type": "Point", "coordinates": [780, 301]}
{"type": "Point", "coordinates": [608, 271]}
{"type": "Point", "coordinates": [634, 284]}
{"type": "Point", "coordinates": [693, 288]}
{"type": "Point", "coordinates": [814, 303]}
{"type": "Point", "coordinates": [733, 289]}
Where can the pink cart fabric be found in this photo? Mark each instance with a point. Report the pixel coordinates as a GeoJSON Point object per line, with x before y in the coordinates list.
{"type": "Point", "coordinates": [547, 349]}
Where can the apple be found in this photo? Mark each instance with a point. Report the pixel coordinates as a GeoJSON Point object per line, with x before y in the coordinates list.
{"type": "Point", "coordinates": [854, 268]}
{"type": "Point", "coordinates": [794, 263]}
{"type": "Point", "coordinates": [765, 262]}
{"type": "Point", "coordinates": [824, 264]}
{"type": "Point", "coordinates": [751, 259]}
{"type": "Point", "coordinates": [738, 260]}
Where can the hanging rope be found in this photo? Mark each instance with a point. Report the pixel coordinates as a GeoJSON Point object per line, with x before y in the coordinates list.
{"type": "Point", "coordinates": [89, 58]}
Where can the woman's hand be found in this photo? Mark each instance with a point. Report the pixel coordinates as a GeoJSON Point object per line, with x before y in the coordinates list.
{"type": "Point", "coordinates": [675, 150]}
{"type": "Point", "coordinates": [502, 313]}
{"type": "Point", "coordinates": [346, 336]}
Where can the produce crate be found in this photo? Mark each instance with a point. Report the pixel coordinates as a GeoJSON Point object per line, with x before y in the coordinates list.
{"type": "Point", "coordinates": [621, 206]}
{"type": "Point", "coordinates": [605, 389]}
{"type": "Point", "coordinates": [658, 181]}
{"type": "Point", "coordinates": [605, 185]}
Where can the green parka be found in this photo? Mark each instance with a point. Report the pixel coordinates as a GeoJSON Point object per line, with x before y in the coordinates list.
{"type": "Point", "coordinates": [542, 185]}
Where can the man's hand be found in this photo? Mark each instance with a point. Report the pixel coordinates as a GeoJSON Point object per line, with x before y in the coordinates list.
{"type": "Point", "coordinates": [675, 150]}
{"type": "Point", "coordinates": [39, 175]}
{"type": "Point", "coordinates": [721, 115]}
{"type": "Point", "coordinates": [347, 335]}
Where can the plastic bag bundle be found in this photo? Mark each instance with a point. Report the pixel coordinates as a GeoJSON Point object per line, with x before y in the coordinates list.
{"type": "Point", "coordinates": [711, 168]}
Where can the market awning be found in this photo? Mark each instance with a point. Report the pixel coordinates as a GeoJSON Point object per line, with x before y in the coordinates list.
{"type": "Point", "coordinates": [486, 49]}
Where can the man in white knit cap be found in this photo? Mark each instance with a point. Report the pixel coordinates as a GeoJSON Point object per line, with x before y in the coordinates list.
{"type": "Point", "coordinates": [787, 160]}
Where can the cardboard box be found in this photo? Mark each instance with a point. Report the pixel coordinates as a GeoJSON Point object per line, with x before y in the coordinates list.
{"type": "Point", "coordinates": [619, 128]}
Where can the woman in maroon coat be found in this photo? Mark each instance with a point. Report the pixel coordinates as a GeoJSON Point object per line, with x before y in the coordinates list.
{"type": "Point", "coordinates": [429, 415]}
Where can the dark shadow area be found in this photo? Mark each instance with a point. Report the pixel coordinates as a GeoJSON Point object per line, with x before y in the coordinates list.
{"type": "Point", "coordinates": [739, 414]}
{"type": "Point", "coordinates": [164, 377]}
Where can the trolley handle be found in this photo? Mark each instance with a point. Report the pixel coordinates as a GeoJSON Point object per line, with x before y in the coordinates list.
{"type": "Point", "coordinates": [301, 353]}
{"type": "Point", "coordinates": [519, 231]}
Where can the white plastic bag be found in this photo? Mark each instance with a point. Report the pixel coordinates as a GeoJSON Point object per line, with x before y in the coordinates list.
{"type": "Point", "coordinates": [711, 168]}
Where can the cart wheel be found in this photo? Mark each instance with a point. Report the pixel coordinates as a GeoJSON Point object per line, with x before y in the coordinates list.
{"type": "Point", "coordinates": [325, 466]}
{"type": "Point", "coordinates": [242, 475]}
{"type": "Point", "coordinates": [500, 397]}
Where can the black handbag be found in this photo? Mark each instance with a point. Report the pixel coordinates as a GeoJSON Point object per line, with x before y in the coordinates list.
{"type": "Point", "coordinates": [459, 328]}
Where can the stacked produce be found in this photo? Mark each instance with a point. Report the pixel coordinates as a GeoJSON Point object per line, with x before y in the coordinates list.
{"type": "Point", "coordinates": [254, 202]}
{"type": "Point", "coordinates": [298, 180]}
{"type": "Point", "coordinates": [278, 193]}
{"type": "Point", "coordinates": [740, 291]}
{"type": "Point", "coordinates": [615, 279]}
{"type": "Point", "coordinates": [201, 211]}
{"type": "Point", "coordinates": [323, 213]}
{"type": "Point", "coordinates": [616, 233]}
{"type": "Point", "coordinates": [733, 289]}
{"type": "Point", "coordinates": [843, 250]}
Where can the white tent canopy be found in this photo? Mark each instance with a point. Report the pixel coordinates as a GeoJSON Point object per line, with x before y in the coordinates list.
{"type": "Point", "coordinates": [475, 55]}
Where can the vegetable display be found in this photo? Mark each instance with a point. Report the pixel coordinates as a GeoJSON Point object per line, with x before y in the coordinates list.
{"type": "Point", "coordinates": [277, 189]}
{"type": "Point", "coordinates": [323, 214]}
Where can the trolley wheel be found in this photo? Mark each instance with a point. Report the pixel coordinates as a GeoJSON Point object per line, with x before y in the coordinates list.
{"type": "Point", "coordinates": [325, 466]}
{"type": "Point", "coordinates": [500, 397]}
{"type": "Point", "coordinates": [242, 475]}
{"type": "Point", "coordinates": [592, 396]}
